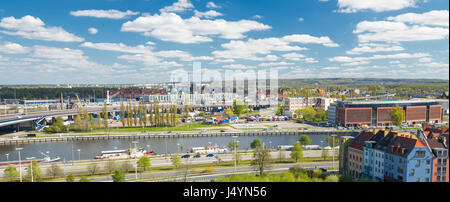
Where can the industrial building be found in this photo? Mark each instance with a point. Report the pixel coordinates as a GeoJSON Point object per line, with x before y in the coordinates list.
{"type": "Point", "coordinates": [378, 113]}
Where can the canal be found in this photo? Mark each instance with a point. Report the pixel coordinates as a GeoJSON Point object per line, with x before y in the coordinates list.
{"type": "Point", "coordinates": [90, 149]}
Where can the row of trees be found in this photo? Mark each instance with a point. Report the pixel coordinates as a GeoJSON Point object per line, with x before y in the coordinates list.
{"type": "Point", "coordinates": [153, 115]}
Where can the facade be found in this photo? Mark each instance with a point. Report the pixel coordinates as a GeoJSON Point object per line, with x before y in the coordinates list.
{"type": "Point", "coordinates": [355, 155]}
{"type": "Point", "coordinates": [344, 141]}
{"type": "Point", "coordinates": [292, 104]}
{"type": "Point", "coordinates": [394, 156]}
{"type": "Point", "coordinates": [378, 113]}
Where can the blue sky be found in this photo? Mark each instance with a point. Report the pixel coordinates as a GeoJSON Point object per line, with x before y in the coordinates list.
{"type": "Point", "coordinates": [142, 41]}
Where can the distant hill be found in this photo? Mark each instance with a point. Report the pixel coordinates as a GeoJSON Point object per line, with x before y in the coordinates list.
{"type": "Point", "coordinates": [357, 81]}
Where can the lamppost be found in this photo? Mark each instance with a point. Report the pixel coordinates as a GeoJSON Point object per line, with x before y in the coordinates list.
{"type": "Point", "coordinates": [235, 153]}
{"type": "Point", "coordinates": [178, 146]}
{"type": "Point", "coordinates": [270, 143]}
{"type": "Point", "coordinates": [321, 144]}
{"type": "Point", "coordinates": [20, 164]}
{"type": "Point", "coordinates": [7, 157]}
{"type": "Point", "coordinates": [31, 167]}
{"type": "Point", "coordinates": [135, 142]}
{"type": "Point", "coordinates": [332, 149]}
{"type": "Point", "coordinates": [79, 156]}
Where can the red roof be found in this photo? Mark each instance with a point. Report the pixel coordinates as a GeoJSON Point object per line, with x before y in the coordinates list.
{"type": "Point", "coordinates": [406, 144]}
{"type": "Point", "coordinates": [358, 142]}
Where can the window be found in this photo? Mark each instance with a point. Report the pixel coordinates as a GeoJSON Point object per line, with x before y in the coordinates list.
{"type": "Point", "coordinates": [418, 179]}
{"type": "Point", "coordinates": [420, 153]}
{"type": "Point", "coordinates": [418, 163]}
{"type": "Point", "coordinates": [427, 179]}
{"type": "Point", "coordinates": [412, 172]}
{"type": "Point", "coordinates": [428, 162]}
{"type": "Point", "coordinates": [428, 171]}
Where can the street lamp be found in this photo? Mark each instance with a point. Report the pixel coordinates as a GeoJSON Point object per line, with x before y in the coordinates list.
{"type": "Point", "coordinates": [20, 164]}
{"type": "Point", "coordinates": [135, 142]}
{"type": "Point", "coordinates": [270, 143]}
{"type": "Point", "coordinates": [7, 157]}
{"type": "Point", "coordinates": [332, 149]}
{"type": "Point", "coordinates": [235, 153]}
{"type": "Point", "coordinates": [79, 156]}
{"type": "Point", "coordinates": [31, 167]}
{"type": "Point", "coordinates": [178, 146]}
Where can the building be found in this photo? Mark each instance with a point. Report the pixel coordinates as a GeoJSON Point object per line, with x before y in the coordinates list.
{"type": "Point", "coordinates": [355, 155]}
{"type": "Point", "coordinates": [395, 156]}
{"type": "Point", "coordinates": [378, 113]}
{"type": "Point", "coordinates": [293, 104]}
{"type": "Point", "coordinates": [343, 151]}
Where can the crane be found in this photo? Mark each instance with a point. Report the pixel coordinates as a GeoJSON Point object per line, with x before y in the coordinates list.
{"type": "Point", "coordinates": [79, 102]}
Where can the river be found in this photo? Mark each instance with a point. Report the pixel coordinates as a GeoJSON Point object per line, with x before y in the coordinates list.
{"type": "Point", "coordinates": [90, 149]}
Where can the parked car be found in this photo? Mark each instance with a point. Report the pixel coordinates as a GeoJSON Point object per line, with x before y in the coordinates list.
{"type": "Point", "coordinates": [210, 155]}
{"type": "Point", "coordinates": [197, 156]}
{"type": "Point", "coordinates": [186, 156]}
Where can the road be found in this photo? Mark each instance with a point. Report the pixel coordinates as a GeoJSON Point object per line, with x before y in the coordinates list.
{"type": "Point", "coordinates": [82, 166]}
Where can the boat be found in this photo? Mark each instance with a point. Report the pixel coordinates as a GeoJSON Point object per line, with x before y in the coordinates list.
{"type": "Point", "coordinates": [124, 154]}
{"type": "Point", "coordinates": [207, 150]}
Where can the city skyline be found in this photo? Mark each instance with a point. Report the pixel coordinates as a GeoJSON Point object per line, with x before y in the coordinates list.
{"type": "Point", "coordinates": [115, 41]}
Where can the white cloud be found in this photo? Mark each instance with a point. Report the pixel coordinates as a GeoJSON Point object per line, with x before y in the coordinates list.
{"type": "Point", "coordinates": [112, 14]}
{"type": "Point", "coordinates": [34, 28]}
{"type": "Point", "coordinates": [301, 19]}
{"type": "Point", "coordinates": [171, 27]}
{"type": "Point", "coordinates": [208, 14]}
{"type": "Point", "coordinates": [397, 32]}
{"type": "Point", "coordinates": [352, 6]}
{"type": "Point", "coordinates": [252, 49]}
{"type": "Point", "coordinates": [13, 48]}
{"type": "Point", "coordinates": [212, 5]}
{"type": "Point", "coordinates": [420, 27]}
{"type": "Point", "coordinates": [373, 47]}
{"type": "Point", "coordinates": [92, 30]}
{"type": "Point", "coordinates": [238, 66]}
{"type": "Point", "coordinates": [425, 59]}
{"type": "Point", "coordinates": [305, 38]}
{"type": "Point", "coordinates": [331, 68]}
{"type": "Point", "coordinates": [435, 17]}
{"type": "Point", "coordinates": [346, 59]}
{"type": "Point", "coordinates": [299, 57]}
{"type": "Point", "coordinates": [118, 47]}
{"type": "Point", "coordinates": [258, 17]}
{"type": "Point", "coordinates": [179, 6]}
{"type": "Point", "coordinates": [275, 64]}
{"type": "Point", "coordinates": [436, 64]}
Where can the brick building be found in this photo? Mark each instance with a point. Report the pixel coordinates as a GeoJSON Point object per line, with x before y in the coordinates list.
{"type": "Point", "coordinates": [378, 113]}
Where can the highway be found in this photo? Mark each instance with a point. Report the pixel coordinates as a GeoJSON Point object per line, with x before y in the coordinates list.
{"type": "Point", "coordinates": [82, 166]}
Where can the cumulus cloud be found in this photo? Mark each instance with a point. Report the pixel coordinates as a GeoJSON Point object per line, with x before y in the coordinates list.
{"type": "Point", "coordinates": [13, 48]}
{"type": "Point", "coordinates": [177, 7]}
{"type": "Point", "coordinates": [212, 5]}
{"type": "Point", "coordinates": [171, 27]}
{"type": "Point", "coordinates": [435, 17]}
{"type": "Point", "coordinates": [395, 28]}
{"type": "Point", "coordinates": [30, 27]}
{"type": "Point", "coordinates": [92, 30]}
{"type": "Point", "coordinates": [208, 14]}
{"type": "Point", "coordinates": [374, 47]}
{"type": "Point", "coordinates": [111, 14]}
{"type": "Point", "coordinates": [347, 59]}
{"type": "Point", "coordinates": [352, 6]}
{"type": "Point", "coordinates": [252, 49]}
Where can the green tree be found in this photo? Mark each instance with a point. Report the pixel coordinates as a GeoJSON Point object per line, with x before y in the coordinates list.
{"type": "Point", "coordinates": [297, 152]}
{"type": "Point", "coordinates": [176, 160]}
{"type": "Point", "coordinates": [238, 107]}
{"type": "Point", "coordinates": [54, 170]}
{"type": "Point", "coordinates": [261, 159]}
{"type": "Point", "coordinates": [144, 163]}
{"type": "Point", "coordinates": [332, 178]}
{"type": "Point", "coordinates": [256, 143]}
{"type": "Point", "coordinates": [233, 145]}
{"type": "Point", "coordinates": [70, 178]}
{"type": "Point", "coordinates": [118, 176]}
{"type": "Point", "coordinates": [397, 116]}
{"type": "Point", "coordinates": [84, 179]}
{"type": "Point", "coordinates": [305, 140]}
{"type": "Point", "coordinates": [325, 154]}
{"type": "Point", "coordinates": [11, 174]}
{"type": "Point", "coordinates": [122, 113]}
{"type": "Point", "coordinates": [280, 110]}
{"type": "Point", "coordinates": [36, 171]}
